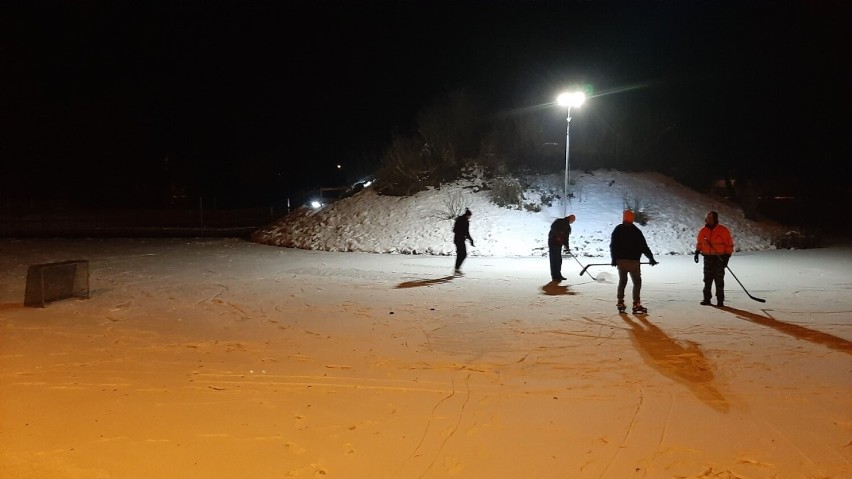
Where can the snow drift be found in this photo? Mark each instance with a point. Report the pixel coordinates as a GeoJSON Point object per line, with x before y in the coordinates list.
{"type": "Point", "coordinates": [422, 223]}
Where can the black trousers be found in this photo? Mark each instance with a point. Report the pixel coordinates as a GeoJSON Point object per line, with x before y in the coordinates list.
{"type": "Point", "coordinates": [461, 253]}
{"type": "Point", "coordinates": [555, 254]}
{"type": "Point", "coordinates": [714, 272]}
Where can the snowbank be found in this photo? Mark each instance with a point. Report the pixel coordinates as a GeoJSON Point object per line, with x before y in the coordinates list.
{"type": "Point", "coordinates": [421, 224]}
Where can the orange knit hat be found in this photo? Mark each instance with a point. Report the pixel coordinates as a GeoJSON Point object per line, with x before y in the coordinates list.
{"type": "Point", "coordinates": [628, 216]}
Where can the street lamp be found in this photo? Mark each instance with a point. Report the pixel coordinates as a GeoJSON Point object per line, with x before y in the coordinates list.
{"type": "Point", "coordinates": [569, 99]}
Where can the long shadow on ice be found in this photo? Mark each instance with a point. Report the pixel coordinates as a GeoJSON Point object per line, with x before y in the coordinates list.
{"type": "Point", "coordinates": [424, 282]}
{"type": "Point", "coordinates": [682, 361]}
{"type": "Point", "coordinates": [798, 332]}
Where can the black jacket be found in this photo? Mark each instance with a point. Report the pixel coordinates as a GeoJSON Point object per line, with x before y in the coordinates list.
{"type": "Point", "coordinates": [628, 242]}
{"type": "Point", "coordinates": [560, 231]}
{"type": "Point", "coordinates": [461, 230]}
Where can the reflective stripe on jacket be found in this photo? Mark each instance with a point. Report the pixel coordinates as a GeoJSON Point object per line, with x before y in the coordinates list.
{"type": "Point", "coordinates": [715, 241]}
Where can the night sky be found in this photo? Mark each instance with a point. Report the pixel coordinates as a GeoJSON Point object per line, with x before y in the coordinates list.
{"type": "Point", "coordinates": [249, 101]}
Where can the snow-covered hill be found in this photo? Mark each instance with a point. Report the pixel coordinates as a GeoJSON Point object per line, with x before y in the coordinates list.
{"type": "Point", "coordinates": [420, 224]}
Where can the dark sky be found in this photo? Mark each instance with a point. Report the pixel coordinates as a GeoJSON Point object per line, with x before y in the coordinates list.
{"type": "Point", "coordinates": [252, 99]}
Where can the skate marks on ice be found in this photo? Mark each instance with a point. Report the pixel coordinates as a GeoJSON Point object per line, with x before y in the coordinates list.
{"type": "Point", "coordinates": [457, 410]}
{"type": "Point", "coordinates": [681, 361]}
{"type": "Point", "coordinates": [799, 332]}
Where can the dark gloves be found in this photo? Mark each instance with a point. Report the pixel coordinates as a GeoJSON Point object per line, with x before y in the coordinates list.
{"type": "Point", "coordinates": [696, 256]}
{"type": "Point", "coordinates": [725, 259]}
{"type": "Point", "coordinates": [471, 243]}
{"type": "Point", "coordinates": [614, 263]}
{"type": "Point", "coordinates": [653, 262]}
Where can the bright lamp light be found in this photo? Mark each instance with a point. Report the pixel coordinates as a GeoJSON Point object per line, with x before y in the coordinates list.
{"type": "Point", "coordinates": [573, 99]}
{"type": "Point", "coordinates": [570, 100]}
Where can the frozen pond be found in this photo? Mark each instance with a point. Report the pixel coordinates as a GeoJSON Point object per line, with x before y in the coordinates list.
{"type": "Point", "coordinates": [224, 358]}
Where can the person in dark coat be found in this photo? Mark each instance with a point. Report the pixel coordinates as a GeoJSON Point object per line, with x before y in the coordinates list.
{"type": "Point", "coordinates": [557, 238]}
{"type": "Point", "coordinates": [626, 247]}
{"type": "Point", "coordinates": [461, 233]}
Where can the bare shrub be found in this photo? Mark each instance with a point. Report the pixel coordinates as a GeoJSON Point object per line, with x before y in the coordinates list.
{"type": "Point", "coordinates": [507, 192]}
{"type": "Point", "coordinates": [453, 205]}
{"type": "Point", "coordinates": [639, 207]}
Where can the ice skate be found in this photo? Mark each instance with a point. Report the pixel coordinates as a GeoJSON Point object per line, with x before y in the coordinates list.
{"type": "Point", "coordinates": [621, 308]}
{"type": "Point", "coordinates": [639, 309]}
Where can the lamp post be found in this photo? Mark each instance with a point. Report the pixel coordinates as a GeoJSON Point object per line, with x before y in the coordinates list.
{"type": "Point", "coordinates": [568, 99]}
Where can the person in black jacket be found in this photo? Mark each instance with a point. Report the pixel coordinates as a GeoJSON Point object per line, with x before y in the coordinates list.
{"type": "Point", "coordinates": [560, 232]}
{"type": "Point", "coordinates": [461, 232]}
{"type": "Point", "coordinates": [627, 245]}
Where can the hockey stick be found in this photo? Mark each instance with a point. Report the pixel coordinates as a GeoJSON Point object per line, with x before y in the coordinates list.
{"type": "Point", "coordinates": [592, 264]}
{"type": "Point", "coordinates": [601, 264]}
{"type": "Point", "coordinates": [584, 268]}
{"type": "Point", "coordinates": [760, 300]}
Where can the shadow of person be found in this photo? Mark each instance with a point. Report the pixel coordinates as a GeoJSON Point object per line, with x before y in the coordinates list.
{"type": "Point", "coordinates": [684, 362]}
{"type": "Point", "coordinates": [553, 288]}
{"type": "Point", "coordinates": [798, 332]}
{"type": "Point", "coordinates": [425, 282]}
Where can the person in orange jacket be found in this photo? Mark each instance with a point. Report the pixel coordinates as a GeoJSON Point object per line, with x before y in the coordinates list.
{"type": "Point", "coordinates": [717, 246]}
